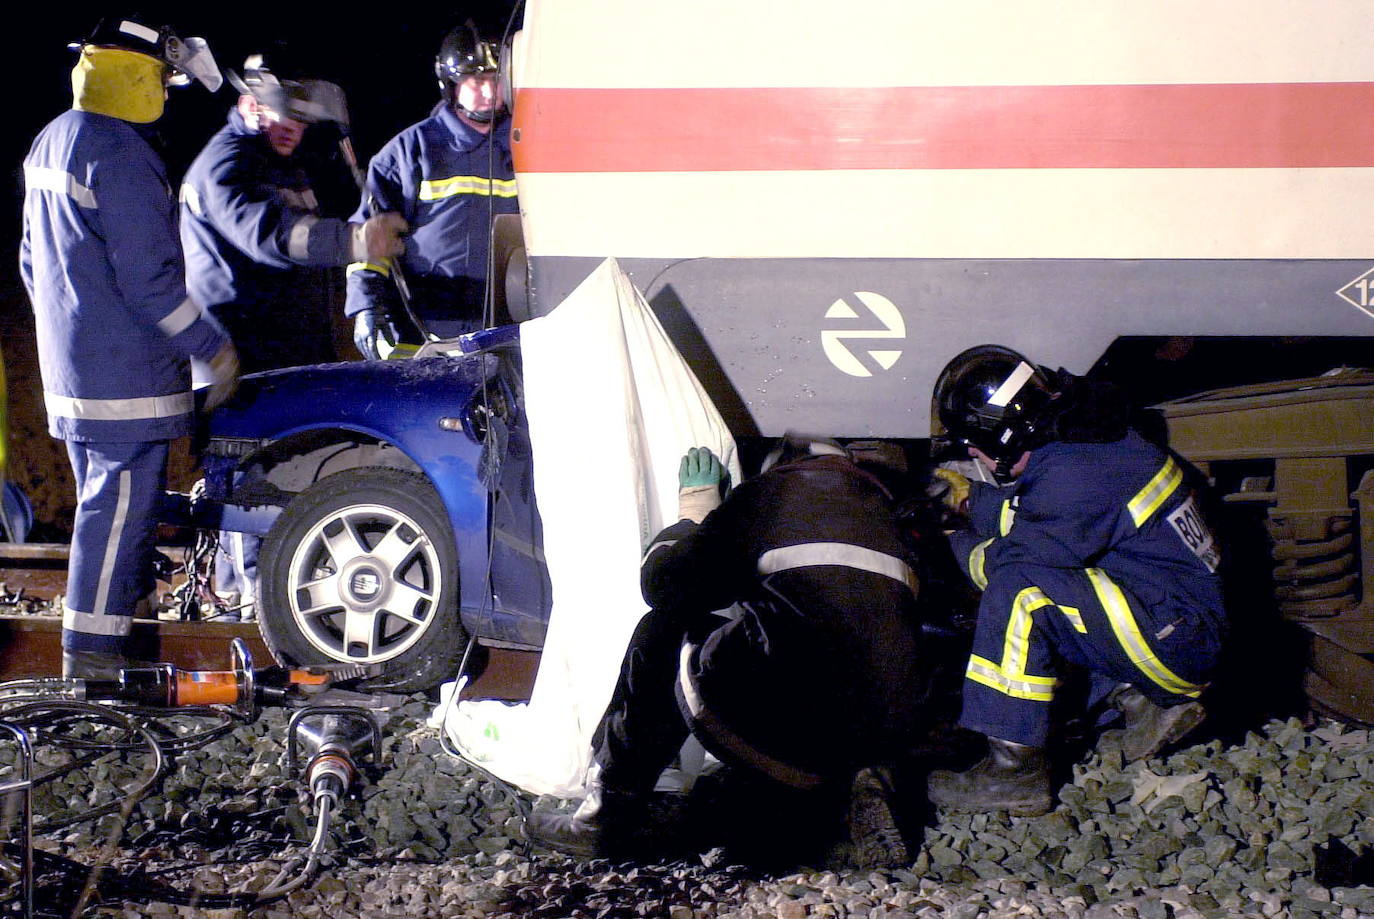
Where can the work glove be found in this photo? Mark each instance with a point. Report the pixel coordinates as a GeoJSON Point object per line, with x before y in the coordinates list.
{"type": "Point", "coordinates": [951, 489]}
{"type": "Point", "coordinates": [379, 237]}
{"type": "Point", "coordinates": [698, 477]}
{"type": "Point", "coordinates": [224, 371]}
{"type": "Point", "coordinates": [368, 329]}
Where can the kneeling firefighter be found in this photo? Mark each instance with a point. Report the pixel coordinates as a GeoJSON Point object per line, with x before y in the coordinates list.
{"type": "Point", "coordinates": [815, 678]}
{"type": "Point", "coordinates": [1091, 553]}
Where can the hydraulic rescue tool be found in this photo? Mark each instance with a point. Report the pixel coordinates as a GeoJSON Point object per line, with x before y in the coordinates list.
{"type": "Point", "coordinates": [243, 687]}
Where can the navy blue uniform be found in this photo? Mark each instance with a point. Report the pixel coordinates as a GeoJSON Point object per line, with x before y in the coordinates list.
{"type": "Point", "coordinates": [103, 267]}
{"type": "Point", "coordinates": [255, 243]}
{"type": "Point", "coordinates": [448, 181]}
{"type": "Point", "coordinates": [819, 672]}
{"type": "Point", "coordinates": [1097, 555]}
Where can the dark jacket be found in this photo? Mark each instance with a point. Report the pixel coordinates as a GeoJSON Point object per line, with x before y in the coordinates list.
{"type": "Point", "coordinates": [821, 668]}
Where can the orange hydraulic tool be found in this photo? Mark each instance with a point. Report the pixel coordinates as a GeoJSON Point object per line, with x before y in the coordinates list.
{"type": "Point", "coordinates": [243, 687]}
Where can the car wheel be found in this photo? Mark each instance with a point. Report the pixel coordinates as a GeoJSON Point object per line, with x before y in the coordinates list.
{"type": "Point", "coordinates": [361, 568]}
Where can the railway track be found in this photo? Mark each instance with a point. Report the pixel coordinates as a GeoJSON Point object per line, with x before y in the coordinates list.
{"type": "Point", "coordinates": [31, 642]}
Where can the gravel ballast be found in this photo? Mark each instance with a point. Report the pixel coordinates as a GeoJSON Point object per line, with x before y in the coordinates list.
{"type": "Point", "coordinates": [1218, 829]}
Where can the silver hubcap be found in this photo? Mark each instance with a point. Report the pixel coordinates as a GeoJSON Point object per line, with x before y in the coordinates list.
{"type": "Point", "coordinates": [364, 584]}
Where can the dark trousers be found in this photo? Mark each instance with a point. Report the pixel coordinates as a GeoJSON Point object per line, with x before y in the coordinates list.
{"type": "Point", "coordinates": [642, 729]}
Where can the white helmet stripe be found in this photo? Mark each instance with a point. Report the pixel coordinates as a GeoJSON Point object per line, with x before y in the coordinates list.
{"type": "Point", "coordinates": [1012, 385]}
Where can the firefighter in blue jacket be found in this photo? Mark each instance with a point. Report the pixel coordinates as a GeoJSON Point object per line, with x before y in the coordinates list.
{"type": "Point", "coordinates": [250, 224]}
{"type": "Point", "coordinates": [819, 679]}
{"type": "Point", "coordinates": [1093, 554]}
{"type": "Point", "coordinates": [448, 176]}
{"type": "Point", "coordinates": [116, 329]}
{"type": "Point", "coordinates": [257, 247]}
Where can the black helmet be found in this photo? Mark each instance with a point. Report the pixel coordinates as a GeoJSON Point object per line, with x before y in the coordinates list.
{"type": "Point", "coordinates": [992, 398]}
{"type": "Point", "coordinates": [463, 52]}
{"type": "Point", "coordinates": [188, 58]}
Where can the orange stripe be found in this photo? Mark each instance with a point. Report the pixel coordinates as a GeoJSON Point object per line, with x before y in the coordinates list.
{"type": "Point", "coordinates": [1246, 125]}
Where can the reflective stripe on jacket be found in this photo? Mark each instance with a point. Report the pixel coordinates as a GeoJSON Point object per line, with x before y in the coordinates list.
{"type": "Point", "coordinates": [448, 181]}
{"type": "Point", "coordinates": [102, 264]}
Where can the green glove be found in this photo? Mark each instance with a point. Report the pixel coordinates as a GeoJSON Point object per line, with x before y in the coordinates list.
{"type": "Point", "coordinates": [698, 477]}
{"type": "Point", "coordinates": [699, 467]}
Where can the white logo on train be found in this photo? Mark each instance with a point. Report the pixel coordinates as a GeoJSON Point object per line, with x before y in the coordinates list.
{"type": "Point", "coordinates": [1359, 293]}
{"type": "Point", "coordinates": [843, 356]}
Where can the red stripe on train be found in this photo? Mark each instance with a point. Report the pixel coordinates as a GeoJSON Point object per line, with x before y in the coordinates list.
{"type": "Point", "coordinates": [1249, 125]}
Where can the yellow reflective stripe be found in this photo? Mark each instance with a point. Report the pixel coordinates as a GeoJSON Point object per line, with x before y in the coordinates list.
{"type": "Point", "coordinates": [382, 268]}
{"type": "Point", "coordinates": [975, 564]}
{"type": "Point", "coordinates": [1128, 635]}
{"type": "Point", "coordinates": [438, 189]}
{"type": "Point", "coordinates": [1075, 617]}
{"type": "Point", "coordinates": [1006, 519]}
{"type": "Point", "coordinates": [1149, 498]}
{"type": "Point", "coordinates": [1010, 677]}
{"type": "Point", "coordinates": [1036, 689]}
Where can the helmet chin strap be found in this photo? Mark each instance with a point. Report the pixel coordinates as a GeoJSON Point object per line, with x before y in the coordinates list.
{"type": "Point", "coordinates": [478, 117]}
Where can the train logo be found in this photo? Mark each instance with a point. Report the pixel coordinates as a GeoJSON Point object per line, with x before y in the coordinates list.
{"type": "Point", "coordinates": [1359, 293]}
{"type": "Point", "coordinates": [859, 360]}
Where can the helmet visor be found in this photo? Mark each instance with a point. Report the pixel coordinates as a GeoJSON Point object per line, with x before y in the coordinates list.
{"type": "Point", "coordinates": [191, 58]}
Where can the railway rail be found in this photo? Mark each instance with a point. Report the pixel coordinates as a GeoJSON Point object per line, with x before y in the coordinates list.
{"type": "Point", "coordinates": [31, 642]}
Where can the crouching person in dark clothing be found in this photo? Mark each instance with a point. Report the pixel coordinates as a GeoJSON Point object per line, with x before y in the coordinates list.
{"type": "Point", "coordinates": [815, 679]}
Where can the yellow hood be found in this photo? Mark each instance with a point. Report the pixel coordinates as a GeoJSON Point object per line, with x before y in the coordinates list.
{"type": "Point", "coordinates": [119, 83]}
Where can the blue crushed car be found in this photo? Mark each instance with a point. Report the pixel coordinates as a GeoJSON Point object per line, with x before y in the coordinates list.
{"type": "Point", "coordinates": [396, 501]}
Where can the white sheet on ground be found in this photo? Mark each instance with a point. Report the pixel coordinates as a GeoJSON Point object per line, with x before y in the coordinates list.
{"type": "Point", "coordinates": [612, 406]}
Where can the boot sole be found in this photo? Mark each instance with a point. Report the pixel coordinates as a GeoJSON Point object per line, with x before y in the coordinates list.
{"type": "Point", "coordinates": [1028, 809]}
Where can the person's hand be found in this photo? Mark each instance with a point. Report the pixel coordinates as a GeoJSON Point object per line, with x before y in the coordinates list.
{"type": "Point", "coordinates": [699, 466]}
{"type": "Point", "coordinates": [368, 329]}
{"type": "Point", "coordinates": [224, 368]}
{"type": "Point", "coordinates": [951, 489]}
{"type": "Point", "coordinates": [379, 237]}
{"type": "Point", "coordinates": [698, 477]}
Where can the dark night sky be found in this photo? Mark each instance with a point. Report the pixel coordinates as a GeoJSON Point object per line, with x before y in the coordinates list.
{"type": "Point", "coordinates": [381, 54]}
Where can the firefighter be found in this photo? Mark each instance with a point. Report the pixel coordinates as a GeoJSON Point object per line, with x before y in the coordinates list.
{"type": "Point", "coordinates": [448, 176]}
{"type": "Point", "coordinates": [257, 247]}
{"type": "Point", "coordinates": [817, 676]}
{"type": "Point", "coordinates": [116, 329]}
{"type": "Point", "coordinates": [251, 226]}
{"type": "Point", "coordinates": [1092, 552]}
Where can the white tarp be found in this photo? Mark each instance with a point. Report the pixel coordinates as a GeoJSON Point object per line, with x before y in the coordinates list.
{"type": "Point", "coordinates": [612, 407]}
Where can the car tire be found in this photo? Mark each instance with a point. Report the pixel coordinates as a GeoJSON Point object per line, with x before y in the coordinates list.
{"type": "Point", "coordinates": [361, 568]}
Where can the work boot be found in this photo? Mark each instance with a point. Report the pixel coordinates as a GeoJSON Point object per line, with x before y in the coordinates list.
{"type": "Point", "coordinates": [602, 826]}
{"type": "Point", "coordinates": [874, 833]}
{"type": "Point", "coordinates": [1149, 728]}
{"type": "Point", "coordinates": [1012, 777]}
{"type": "Point", "coordinates": [93, 665]}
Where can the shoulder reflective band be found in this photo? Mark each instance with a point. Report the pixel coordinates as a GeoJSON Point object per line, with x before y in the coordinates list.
{"type": "Point", "coordinates": [1012, 384]}
{"type": "Point", "coordinates": [837, 553]}
{"type": "Point", "coordinates": [976, 564]}
{"type": "Point", "coordinates": [138, 409]}
{"type": "Point", "coordinates": [1159, 488]}
{"type": "Point", "coordinates": [49, 179]}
